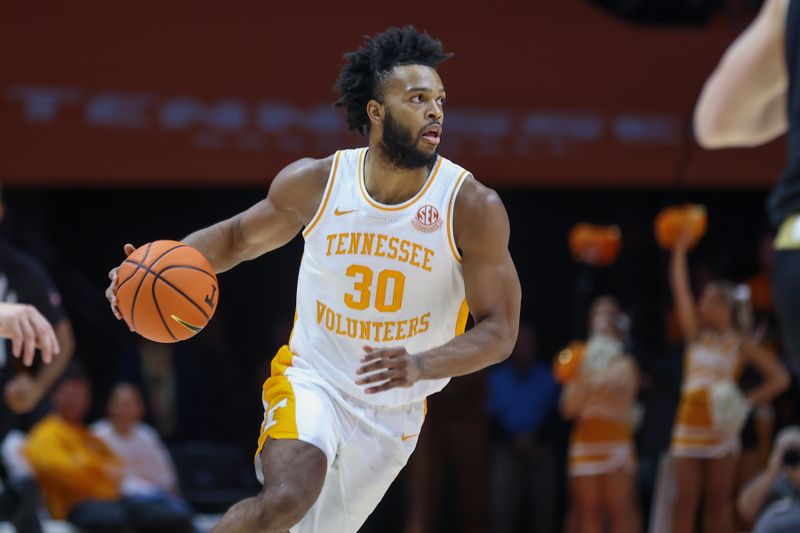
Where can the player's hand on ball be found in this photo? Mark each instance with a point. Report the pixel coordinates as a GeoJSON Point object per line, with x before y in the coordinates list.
{"type": "Point", "coordinates": [389, 368]}
{"type": "Point", "coordinates": [112, 275]}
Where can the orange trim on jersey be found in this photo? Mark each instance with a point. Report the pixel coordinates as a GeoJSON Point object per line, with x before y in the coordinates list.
{"type": "Point", "coordinates": [363, 188]}
{"type": "Point", "coordinates": [450, 207]}
{"type": "Point", "coordinates": [278, 398]}
{"type": "Point", "coordinates": [328, 190]}
{"type": "Point", "coordinates": [463, 315]}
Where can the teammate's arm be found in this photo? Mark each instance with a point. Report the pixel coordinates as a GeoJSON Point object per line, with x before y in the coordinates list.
{"type": "Point", "coordinates": [493, 295]}
{"type": "Point", "coordinates": [293, 198]}
{"type": "Point", "coordinates": [28, 330]}
{"type": "Point", "coordinates": [743, 103]}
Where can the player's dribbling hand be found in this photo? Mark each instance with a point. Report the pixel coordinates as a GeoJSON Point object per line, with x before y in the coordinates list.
{"type": "Point", "coordinates": [28, 330]}
{"type": "Point", "coordinates": [389, 367]}
{"type": "Point", "coordinates": [112, 275]}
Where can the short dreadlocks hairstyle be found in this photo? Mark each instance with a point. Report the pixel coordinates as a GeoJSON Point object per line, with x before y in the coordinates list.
{"type": "Point", "coordinates": [365, 70]}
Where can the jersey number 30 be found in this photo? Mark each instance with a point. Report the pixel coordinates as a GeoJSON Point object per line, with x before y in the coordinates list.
{"type": "Point", "coordinates": [384, 302]}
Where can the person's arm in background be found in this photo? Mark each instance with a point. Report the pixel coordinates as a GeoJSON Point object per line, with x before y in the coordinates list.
{"type": "Point", "coordinates": [28, 330]}
{"type": "Point", "coordinates": [25, 390]}
{"type": "Point", "coordinates": [756, 494]}
{"type": "Point", "coordinates": [685, 305]}
{"type": "Point", "coordinates": [775, 377]}
{"type": "Point", "coordinates": [574, 396]}
{"type": "Point", "coordinates": [743, 103]}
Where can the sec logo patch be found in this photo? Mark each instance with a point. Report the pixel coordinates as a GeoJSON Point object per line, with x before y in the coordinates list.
{"type": "Point", "coordinates": [427, 219]}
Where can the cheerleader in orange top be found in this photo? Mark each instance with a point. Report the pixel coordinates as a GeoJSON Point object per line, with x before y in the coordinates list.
{"type": "Point", "coordinates": [705, 438]}
{"type": "Point", "coordinates": [602, 463]}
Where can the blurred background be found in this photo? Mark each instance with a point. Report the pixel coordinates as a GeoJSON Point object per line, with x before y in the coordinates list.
{"type": "Point", "coordinates": [131, 122]}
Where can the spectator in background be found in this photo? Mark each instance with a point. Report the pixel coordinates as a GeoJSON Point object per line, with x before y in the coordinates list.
{"type": "Point", "coordinates": [148, 467]}
{"type": "Point", "coordinates": [451, 451]}
{"type": "Point", "coordinates": [24, 280]}
{"type": "Point", "coordinates": [524, 476]}
{"type": "Point", "coordinates": [774, 495]}
{"type": "Point", "coordinates": [602, 463]}
{"type": "Point", "coordinates": [82, 478]}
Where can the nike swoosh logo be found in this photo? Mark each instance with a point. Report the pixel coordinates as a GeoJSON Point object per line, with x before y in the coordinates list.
{"type": "Point", "coordinates": [194, 329]}
{"type": "Point", "coordinates": [340, 213]}
{"type": "Point", "coordinates": [405, 437]}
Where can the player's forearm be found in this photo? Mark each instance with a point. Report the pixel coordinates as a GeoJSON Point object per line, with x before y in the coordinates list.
{"type": "Point", "coordinates": [219, 244]}
{"type": "Point", "coordinates": [48, 374]}
{"type": "Point", "coordinates": [489, 342]}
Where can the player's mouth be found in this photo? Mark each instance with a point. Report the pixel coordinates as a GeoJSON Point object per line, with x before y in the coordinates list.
{"type": "Point", "coordinates": [432, 134]}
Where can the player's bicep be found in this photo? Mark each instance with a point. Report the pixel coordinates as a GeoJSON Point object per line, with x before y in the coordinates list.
{"type": "Point", "coordinates": [279, 217]}
{"type": "Point", "coordinates": [490, 277]}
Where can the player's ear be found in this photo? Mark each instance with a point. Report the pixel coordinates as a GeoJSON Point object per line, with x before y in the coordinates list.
{"type": "Point", "coordinates": [375, 112]}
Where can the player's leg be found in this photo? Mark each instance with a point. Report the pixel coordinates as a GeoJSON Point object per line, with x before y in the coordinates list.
{"type": "Point", "coordinates": [294, 472]}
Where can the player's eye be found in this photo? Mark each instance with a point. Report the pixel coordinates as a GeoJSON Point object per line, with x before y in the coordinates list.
{"type": "Point", "coordinates": [442, 101]}
{"type": "Point", "coordinates": [417, 98]}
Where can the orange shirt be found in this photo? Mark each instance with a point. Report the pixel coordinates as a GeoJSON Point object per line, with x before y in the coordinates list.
{"type": "Point", "coordinates": [72, 465]}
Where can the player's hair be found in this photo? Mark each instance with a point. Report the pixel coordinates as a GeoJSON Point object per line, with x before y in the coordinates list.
{"type": "Point", "coordinates": [362, 76]}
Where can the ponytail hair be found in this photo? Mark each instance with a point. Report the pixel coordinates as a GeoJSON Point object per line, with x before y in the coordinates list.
{"type": "Point", "coordinates": [740, 300]}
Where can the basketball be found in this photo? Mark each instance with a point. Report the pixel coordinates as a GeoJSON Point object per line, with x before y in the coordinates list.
{"type": "Point", "coordinates": [166, 291]}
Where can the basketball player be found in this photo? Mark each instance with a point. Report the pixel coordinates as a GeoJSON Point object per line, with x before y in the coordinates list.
{"type": "Point", "coordinates": [750, 99]}
{"type": "Point", "coordinates": [398, 240]}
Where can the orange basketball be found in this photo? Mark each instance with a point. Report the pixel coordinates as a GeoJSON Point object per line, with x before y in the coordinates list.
{"type": "Point", "coordinates": [166, 291]}
{"type": "Point", "coordinates": [674, 221]}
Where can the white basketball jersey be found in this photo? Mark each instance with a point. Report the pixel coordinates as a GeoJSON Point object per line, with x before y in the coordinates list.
{"type": "Point", "coordinates": [378, 275]}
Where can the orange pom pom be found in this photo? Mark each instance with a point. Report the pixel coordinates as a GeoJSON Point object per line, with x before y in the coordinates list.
{"type": "Point", "coordinates": [568, 362]}
{"type": "Point", "coordinates": [595, 245]}
{"type": "Point", "coordinates": [674, 222]}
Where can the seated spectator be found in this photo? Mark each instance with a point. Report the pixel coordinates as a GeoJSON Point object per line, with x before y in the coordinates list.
{"type": "Point", "coordinates": [20, 497]}
{"type": "Point", "coordinates": [773, 497]}
{"type": "Point", "coordinates": [148, 466]}
{"type": "Point", "coordinates": [81, 477]}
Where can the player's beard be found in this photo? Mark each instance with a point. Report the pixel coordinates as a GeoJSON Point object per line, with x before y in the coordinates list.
{"type": "Point", "coordinates": [400, 147]}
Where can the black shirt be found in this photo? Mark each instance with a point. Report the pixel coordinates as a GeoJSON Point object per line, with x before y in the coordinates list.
{"type": "Point", "coordinates": [24, 280]}
{"type": "Point", "coordinates": [785, 197]}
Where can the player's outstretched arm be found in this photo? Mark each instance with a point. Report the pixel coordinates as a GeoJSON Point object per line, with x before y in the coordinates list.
{"type": "Point", "coordinates": [293, 198]}
{"type": "Point", "coordinates": [493, 295]}
{"type": "Point", "coordinates": [743, 103]}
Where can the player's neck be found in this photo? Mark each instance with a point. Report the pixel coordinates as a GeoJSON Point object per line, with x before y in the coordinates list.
{"type": "Point", "coordinates": [389, 184]}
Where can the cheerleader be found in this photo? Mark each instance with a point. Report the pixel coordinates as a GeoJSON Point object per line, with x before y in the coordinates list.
{"type": "Point", "coordinates": [705, 437]}
{"type": "Point", "coordinates": [600, 398]}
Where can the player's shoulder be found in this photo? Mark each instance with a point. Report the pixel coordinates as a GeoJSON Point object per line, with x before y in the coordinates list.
{"type": "Point", "coordinates": [479, 216]}
{"type": "Point", "coordinates": [307, 170]}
